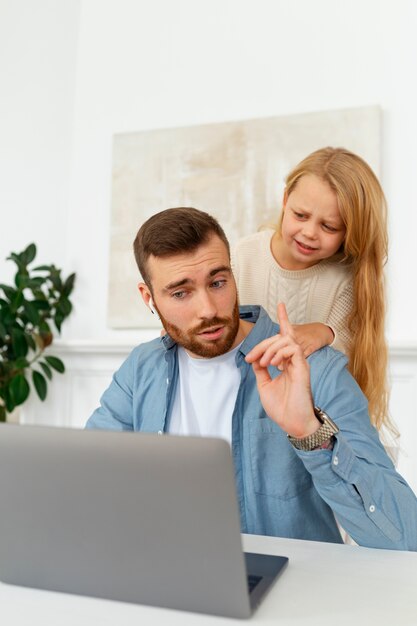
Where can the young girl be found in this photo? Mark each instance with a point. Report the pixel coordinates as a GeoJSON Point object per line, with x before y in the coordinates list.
{"type": "Point", "coordinates": [325, 261]}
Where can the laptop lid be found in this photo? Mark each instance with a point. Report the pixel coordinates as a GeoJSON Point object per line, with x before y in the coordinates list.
{"type": "Point", "coordinates": [127, 516]}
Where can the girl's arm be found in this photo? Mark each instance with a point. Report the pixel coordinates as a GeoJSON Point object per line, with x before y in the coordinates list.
{"type": "Point", "coordinates": [334, 332]}
{"type": "Point", "coordinates": [313, 336]}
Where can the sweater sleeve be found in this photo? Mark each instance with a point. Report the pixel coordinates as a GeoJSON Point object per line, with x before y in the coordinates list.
{"type": "Point", "coordinates": [250, 269]}
{"type": "Point", "coordinates": [338, 319]}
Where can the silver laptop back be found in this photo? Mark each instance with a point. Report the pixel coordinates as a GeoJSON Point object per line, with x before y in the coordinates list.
{"type": "Point", "coordinates": [132, 517]}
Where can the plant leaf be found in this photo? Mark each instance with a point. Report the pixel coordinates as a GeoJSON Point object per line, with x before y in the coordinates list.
{"type": "Point", "coordinates": [32, 312]}
{"type": "Point", "coordinates": [42, 268]}
{"type": "Point", "coordinates": [69, 285]}
{"type": "Point", "coordinates": [7, 316]}
{"type": "Point", "coordinates": [9, 292]}
{"type": "Point", "coordinates": [35, 283]}
{"type": "Point", "coordinates": [19, 343]}
{"type": "Point", "coordinates": [21, 280]}
{"type": "Point", "coordinates": [17, 258]}
{"type": "Point", "coordinates": [40, 384]}
{"type": "Point", "coordinates": [64, 306]}
{"type": "Point", "coordinates": [55, 278]}
{"type": "Point", "coordinates": [19, 389]}
{"type": "Point", "coordinates": [46, 369]}
{"type": "Point", "coordinates": [21, 363]}
{"type": "Point", "coordinates": [17, 300]}
{"type": "Point", "coordinates": [31, 342]}
{"type": "Point", "coordinates": [41, 305]}
{"type": "Point", "coordinates": [8, 399]}
{"type": "Point", "coordinates": [58, 319]}
{"type": "Point", "coordinates": [44, 327]}
{"type": "Point", "coordinates": [29, 254]}
{"type": "Point", "coordinates": [55, 363]}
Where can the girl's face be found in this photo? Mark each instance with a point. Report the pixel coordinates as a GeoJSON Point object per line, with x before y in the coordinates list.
{"type": "Point", "coordinates": [312, 228]}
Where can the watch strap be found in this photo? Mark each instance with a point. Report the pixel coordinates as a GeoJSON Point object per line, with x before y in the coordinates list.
{"type": "Point", "coordinates": [321, 438]}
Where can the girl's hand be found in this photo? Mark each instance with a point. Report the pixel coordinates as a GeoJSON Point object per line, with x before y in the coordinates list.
{"type": "Point", "coordinates": [312, 337]}
{"type": "Point", "coordinates": [287, 398]}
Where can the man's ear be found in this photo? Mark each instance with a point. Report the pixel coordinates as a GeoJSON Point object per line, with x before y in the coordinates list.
{"type": "Point", "coordinates": [145, 293]}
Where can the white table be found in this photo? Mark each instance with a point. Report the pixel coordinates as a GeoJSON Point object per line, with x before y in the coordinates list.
{"type": "Point", "coordinates": [324, 584]}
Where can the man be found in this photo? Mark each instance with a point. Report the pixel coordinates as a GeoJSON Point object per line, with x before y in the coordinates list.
{"type": "Point", "coordinates": [245, 378]}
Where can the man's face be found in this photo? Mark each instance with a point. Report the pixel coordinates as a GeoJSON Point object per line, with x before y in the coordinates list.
{"type": "Point", "coordinates": [195, 296]}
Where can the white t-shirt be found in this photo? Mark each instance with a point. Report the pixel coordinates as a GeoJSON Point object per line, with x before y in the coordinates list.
{"type": "Point", "coordinates": [205, 396]}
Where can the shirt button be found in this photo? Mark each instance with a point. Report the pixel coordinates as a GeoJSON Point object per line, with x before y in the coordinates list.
{"type": "Point", "coordinates": [336, 460]}
{"type": "Point", "coordinates": [167, 381]}
{"type": "Point", "coordinates": [372, 508]}
{"type": "Point", "coordinates": [160, 432]}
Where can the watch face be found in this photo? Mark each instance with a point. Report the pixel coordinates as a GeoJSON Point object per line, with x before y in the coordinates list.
{"type": "Point", "coordinates": [324, 418]}
{"type": "Point", "coordinates": [319, 414]}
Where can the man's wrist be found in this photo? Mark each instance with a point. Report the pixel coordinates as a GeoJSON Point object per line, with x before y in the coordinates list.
{"type": "Point", "coordinates": [309, 428]}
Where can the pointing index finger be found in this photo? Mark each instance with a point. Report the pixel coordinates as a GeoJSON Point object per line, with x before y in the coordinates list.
{"type": "Point", "coordinates": [285, 327]}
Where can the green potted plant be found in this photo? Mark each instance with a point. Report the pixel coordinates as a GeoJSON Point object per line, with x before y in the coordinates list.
{"type": "Point", "coordinates": [30, 309]}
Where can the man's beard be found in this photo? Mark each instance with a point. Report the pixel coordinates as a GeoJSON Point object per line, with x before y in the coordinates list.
{"type": "Point", "coordinates": [205, 348]}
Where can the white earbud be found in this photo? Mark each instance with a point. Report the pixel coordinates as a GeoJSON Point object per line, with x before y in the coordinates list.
{"type": "Point", "coordinates": [152, 308]}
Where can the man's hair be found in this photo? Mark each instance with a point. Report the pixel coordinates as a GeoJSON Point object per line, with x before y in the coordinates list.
{"type": "Point", "coordinates": [174, 231]}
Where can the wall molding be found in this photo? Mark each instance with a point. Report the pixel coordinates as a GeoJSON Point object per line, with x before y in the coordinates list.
{"type": "Point", "coordinates": [81, 346]}
{"type": "Point", "coordinates": [403, 350]}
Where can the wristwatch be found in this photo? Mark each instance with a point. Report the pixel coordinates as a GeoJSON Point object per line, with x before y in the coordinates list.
{"type": "Point", "coordinates": [324, 434]}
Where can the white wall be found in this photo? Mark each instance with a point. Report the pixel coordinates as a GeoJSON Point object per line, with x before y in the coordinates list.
{"type": "Point", "coordinates": [74, 72]}
{"type": "Point", "coordinates": [165, 63]}
{"type": "Point", "coordinates": [38, 53]}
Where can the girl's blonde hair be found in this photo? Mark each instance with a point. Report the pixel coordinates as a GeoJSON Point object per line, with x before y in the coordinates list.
{"type": "Point", "coordinates": [363, 210]}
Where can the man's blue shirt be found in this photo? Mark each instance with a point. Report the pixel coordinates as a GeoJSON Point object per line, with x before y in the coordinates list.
{"type": "Point", "coordinates": [282, 491]}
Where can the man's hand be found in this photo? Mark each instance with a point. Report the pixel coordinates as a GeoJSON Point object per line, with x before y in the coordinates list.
{"type": "Point", "coordinates": [313, 336]}
{"type": "Point", "coordinates": [287, 398]}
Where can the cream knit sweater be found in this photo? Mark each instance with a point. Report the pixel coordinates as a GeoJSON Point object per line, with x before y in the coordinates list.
{"type": "Point", "coordinates": [321, 293]}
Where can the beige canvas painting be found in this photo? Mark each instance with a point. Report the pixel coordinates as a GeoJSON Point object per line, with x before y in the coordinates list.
{"type": "Point", "coordinates": [233, 170]}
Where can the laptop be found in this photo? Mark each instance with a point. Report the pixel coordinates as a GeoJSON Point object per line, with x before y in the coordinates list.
{"type": "Point", "coordinates": [134, 517]}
